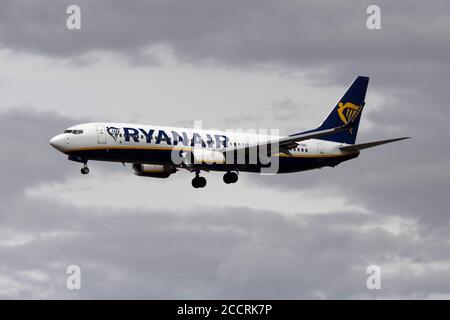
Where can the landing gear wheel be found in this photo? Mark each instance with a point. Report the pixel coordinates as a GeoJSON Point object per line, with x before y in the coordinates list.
{"type": "Point", "coordinates": [202, 182]}
{"type": "Point", "coordinates": [85, 170]}
{"type": "Point", "coordinates": [230, 177]}
{"type": "Point", "coordinates": [199, 182]}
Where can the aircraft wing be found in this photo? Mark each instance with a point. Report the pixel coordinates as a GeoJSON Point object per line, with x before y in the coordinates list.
{"type": "Point", "coordinates": [290, 142]}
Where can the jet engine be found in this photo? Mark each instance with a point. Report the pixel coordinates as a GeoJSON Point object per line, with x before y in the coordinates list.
{"type": "Point", "coordinates": [153, 170]}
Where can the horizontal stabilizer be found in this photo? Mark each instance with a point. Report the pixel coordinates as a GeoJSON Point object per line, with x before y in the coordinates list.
{"type": "Point", "coordinates": [362, 146]}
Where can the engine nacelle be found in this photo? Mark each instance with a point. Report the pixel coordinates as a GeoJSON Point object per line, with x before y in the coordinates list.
{"type": "Point", "coordinates": [203, 156]}
{"type": "Point", "coordinates": [153, 170]}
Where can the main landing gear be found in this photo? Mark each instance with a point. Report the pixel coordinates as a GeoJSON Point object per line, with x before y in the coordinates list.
{"type": "Point", "coordinates": [198, 182]}
{"type": "Point", "coordinates": [85, 169]}
{"type": "Point", "coordinates": [230, 177]}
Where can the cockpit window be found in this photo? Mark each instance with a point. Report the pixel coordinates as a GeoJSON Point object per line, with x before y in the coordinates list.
{"type": "Point", "coordinates": [74, 131]}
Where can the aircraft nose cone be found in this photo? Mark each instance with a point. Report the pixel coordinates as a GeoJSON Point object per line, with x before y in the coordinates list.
{"type": "Point", "coordinates": [57, 142]}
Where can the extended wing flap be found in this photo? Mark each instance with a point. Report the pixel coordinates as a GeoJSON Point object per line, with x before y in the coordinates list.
{"type": "Point", "coordinates": [367, 145]}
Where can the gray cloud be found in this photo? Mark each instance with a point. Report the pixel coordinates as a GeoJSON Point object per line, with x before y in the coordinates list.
{"type": "Point", "coordinates": [29, 159]}
{"type": "Point", "coordinates": [235, 32]}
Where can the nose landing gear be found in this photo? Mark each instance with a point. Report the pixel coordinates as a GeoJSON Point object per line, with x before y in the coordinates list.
{"type": "Point", "coordinates": [85, 169]}
{"type": "Point", "coordinates": [198, 182]}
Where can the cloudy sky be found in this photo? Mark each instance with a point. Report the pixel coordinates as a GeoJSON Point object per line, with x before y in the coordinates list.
{"type": "Point", "coordinates": [230, 64]}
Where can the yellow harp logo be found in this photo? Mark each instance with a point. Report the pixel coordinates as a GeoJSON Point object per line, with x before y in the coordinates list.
{"type": "Point", "coordinates": [347, 112]}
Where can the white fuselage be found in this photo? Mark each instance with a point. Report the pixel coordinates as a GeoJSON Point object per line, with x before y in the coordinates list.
{"type": "Point", "coordinates": [95, 135]}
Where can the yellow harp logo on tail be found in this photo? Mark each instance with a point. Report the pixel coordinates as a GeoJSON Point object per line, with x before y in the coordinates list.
{"type": "Point", "coordinates": [347, 112]}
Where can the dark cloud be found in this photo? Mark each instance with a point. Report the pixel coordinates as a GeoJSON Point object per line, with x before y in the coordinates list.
{"type": "Point", "coordinates": [236, 32]}
{"type": "Point", "coordinates": [233, 253]}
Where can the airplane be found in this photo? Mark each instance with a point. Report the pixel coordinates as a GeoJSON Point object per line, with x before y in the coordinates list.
{"type": "Point", "coordinates": [160, 151]}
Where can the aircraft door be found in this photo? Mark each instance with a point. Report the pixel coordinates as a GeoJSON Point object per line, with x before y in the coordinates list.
{"type": "Point", "coordinates": [101, 135]}
{"type": "Point", "coordinates": [320, 151]}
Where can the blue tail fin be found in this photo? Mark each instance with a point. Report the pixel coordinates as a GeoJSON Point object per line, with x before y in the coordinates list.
{"type": "Point", "coordinates": [344, 111]}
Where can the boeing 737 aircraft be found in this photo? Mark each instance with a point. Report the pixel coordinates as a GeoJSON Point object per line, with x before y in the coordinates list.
{"type": "Point", "coordinates": [158, 152]}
